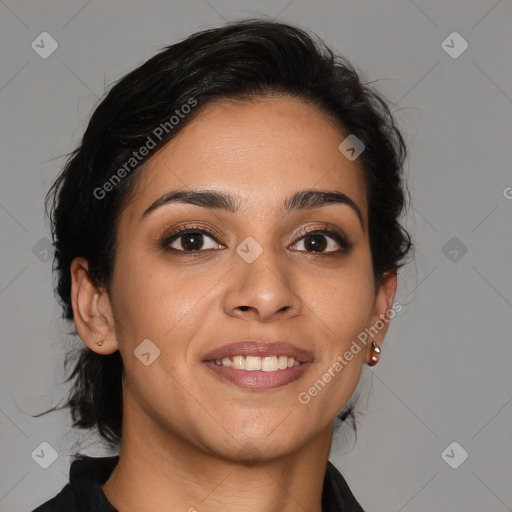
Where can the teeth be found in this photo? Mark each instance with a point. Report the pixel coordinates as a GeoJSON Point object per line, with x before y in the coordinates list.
{"type": "Point", "coordinates": [252, 363]}
{"type": "Point", "coordinates": [269, 364]}
{"type": "Point", "coordinates": [283, 362]}
{"type": "Point", "coordinates": [239, 362]}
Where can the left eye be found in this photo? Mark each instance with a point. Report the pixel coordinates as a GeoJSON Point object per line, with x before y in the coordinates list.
{"type": "Point", "coordinates": [320, 242]}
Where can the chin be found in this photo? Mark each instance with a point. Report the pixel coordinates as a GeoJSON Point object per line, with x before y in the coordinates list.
{"type": "Point", "coordinates": [260, 442]}
{"type": "Point", "coordinates": [249, 451]}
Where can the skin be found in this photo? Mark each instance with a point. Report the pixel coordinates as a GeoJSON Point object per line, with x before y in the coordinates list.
{"type": "Point", "coordinates": [191, 439]}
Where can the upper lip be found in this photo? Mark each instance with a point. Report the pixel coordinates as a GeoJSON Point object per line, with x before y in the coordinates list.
{"type": "Point", "coordinates": [261, 349]}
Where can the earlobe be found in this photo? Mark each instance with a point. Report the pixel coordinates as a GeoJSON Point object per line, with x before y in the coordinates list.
{"type": "Point", "coordinates": [381, 317]}
{"type": "Point", "coordinates": [91, 309]}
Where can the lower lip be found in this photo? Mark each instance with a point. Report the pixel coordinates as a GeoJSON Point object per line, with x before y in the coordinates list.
{"type": "Point", "coordinates": [257, 379]}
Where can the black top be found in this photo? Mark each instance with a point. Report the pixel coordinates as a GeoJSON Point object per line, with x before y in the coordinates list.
{"type": "Point", "coordinates": [83, 493]}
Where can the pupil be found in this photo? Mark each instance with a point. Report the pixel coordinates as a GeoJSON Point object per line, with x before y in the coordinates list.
{"type": "Point", "coordinates": [316, 242]}
{"type": "Point", "coordinates": [193, 241]}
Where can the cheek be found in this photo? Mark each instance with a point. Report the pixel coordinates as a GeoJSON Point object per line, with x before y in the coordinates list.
{"type": "Point", "coordinates": [139, 288]}
{"type": "Point", "coordinates": [343, 302]}
{"type": "Point", "coordinates": [157, 300]}
{"type": "Point", "coordinates": [341, 309]}
{"type": "Point", "coordinates": [162, 304]}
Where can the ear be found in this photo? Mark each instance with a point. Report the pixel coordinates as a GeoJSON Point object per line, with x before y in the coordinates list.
{"type": "Point", "coordinates": [380, 316]}
{"type": "Point", "coordinates": [92, 310]}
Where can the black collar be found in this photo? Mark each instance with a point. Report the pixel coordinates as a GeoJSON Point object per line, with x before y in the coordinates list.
{"type": "Point", "coordinates": [88, 474]}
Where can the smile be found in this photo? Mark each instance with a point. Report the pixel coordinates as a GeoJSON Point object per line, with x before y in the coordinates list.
{"type": "Point", "coordinates": [258, 373]}
{"type": "Point", "coordinates": [258, 365]}
{"type": "Point", "coordinates": [254, 363]}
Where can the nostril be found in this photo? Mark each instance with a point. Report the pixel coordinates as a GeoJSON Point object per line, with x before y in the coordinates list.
{"type": "Point", "coordinates": [244, 308]}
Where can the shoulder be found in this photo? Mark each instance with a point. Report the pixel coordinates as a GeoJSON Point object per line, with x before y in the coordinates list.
{"type": "Point", "coordinates": [337, 495]}
{"type": "Point", "coordinates": [83, 492]}
{"type": "Point", "coordinates": [64, 501]}
{"type": "Point", "coordinates": [82, 496]}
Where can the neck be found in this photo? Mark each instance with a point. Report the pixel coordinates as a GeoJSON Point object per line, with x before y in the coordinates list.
{"type": "Point", "coordinates": [158, 469]}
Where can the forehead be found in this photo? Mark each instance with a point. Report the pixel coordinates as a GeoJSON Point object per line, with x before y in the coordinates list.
{"type": "Point", "coordinates": [260, 151]}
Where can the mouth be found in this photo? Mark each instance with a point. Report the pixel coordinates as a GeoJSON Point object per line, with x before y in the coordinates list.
{"type": "Point", "coordinates": [258, 366]}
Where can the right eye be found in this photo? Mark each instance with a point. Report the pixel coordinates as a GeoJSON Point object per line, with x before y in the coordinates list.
{"type": "Point", "coordinates": [190, 240]}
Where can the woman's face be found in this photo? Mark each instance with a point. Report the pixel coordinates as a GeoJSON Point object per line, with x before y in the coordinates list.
{"type": "Point", "coordinates": [257, 277]}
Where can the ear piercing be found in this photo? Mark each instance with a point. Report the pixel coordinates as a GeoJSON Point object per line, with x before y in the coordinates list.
{"type": "Point", "coordinates": [374, 359]}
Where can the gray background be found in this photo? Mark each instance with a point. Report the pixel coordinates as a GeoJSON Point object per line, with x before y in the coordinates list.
{"type": "Point", "coordinates": [444, 374]}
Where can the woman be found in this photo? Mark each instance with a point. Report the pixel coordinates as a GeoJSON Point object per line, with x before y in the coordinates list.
{"type": "Point", "coordinates": [227, 241]}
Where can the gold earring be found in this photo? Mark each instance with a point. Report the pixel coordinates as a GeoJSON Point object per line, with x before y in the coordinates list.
{"type": "Point", "coordinates": [374, 359]}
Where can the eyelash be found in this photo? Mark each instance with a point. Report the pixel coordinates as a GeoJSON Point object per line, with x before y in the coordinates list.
{"type": "Point", "coordinates": [337, 235]}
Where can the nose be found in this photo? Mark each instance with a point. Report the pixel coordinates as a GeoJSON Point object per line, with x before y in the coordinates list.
{"type": "Point", "coordinates": [262, 290]}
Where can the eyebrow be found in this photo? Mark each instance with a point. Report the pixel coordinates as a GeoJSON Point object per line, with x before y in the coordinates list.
{"type": "Point", "coordinates": [303, 199]}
